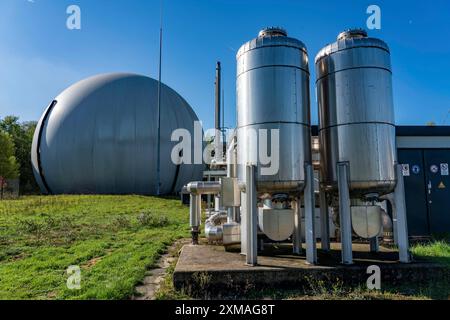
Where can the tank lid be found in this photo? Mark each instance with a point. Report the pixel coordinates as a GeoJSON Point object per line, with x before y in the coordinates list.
{"type": "Point", "coordinates": [352, 34]}
{"type": "Point", "coordinates": [272, 32]}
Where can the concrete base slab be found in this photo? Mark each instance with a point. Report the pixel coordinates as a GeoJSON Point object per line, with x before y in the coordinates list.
{"type": "Point", "coordinates": [211, 269]}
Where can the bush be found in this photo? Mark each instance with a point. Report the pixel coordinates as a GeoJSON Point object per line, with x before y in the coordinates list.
{"type": "Point", "coordinates": [150, 219]}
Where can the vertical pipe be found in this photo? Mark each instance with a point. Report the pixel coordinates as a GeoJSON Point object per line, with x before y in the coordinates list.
{"type": "Point", "coordinates": [297, 236]}
{"type": "Point", "coordinates": [251, 211]}
{"type": "Point", "coordinates": [374, 245]}
{"type": "Point", "coordinates": [345, 213]}
{"type": "Point", "coordinates": [231, 173]}
{"type": "Point", "coordinates": [400, 214]}
{"type": "Point", "coordinates": [324, 222]}
{"type": "Point", "coordinates": [310, 236]}
{"type": "Point", "coordinates": [217, 203]}
{"type": "Point", "coordinates": [199, 210]}
{"type": "Point", "coordinates": [218, 147]}
{"type": "Point", "coordinates": [244, 222]}
{"type": "Point", "coordinates": [194, 218]}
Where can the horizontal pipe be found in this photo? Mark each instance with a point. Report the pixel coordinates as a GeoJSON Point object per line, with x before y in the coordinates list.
{"type": "Point", "coordinates": [201, 187]}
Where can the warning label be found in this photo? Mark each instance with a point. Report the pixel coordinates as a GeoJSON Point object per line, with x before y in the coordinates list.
{"type": "Point", "coordinates": [444, 169]}
{"type": "Point", "coordinates": [405, 170]}
{"type": "Point", "coordinates": [434, 169]}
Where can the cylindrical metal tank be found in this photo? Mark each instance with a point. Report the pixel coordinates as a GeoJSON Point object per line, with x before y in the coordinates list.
{"type": "Point", "coordinates": [356, 113]}
{"type": "Point", "coordinates": [99, 136]}
{"type": "Point", "coordinates": [273, 93]}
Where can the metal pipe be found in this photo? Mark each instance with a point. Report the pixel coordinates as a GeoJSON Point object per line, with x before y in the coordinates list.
{"type": "Point", "coordinates": [310, 236]}
{"type": "Point", "coordinates": [202, 187]}
{"type": "Point", "coordinates": [400, 214]}
{"type": "Point", "coordinates": [324, 222]}
{"type": "Point", "coordinates": [345, 213]}
{"type": "Point", "coordinates": [213, 227]}
{"type": "Point", "coordinates": [232, 173]}
{"type": "Point", "coordinates": [374, 245]}
{"type": "Point", "coordinates": [195, 216]}
{"type": "Point", "coordinates": [387, 226]}
{"type": "Point", "coordinates": [213, 233]}
{"type": "Point", "coordinates": [251, 221]}
{"type": "Point", "coordinates": [297, 236]}
{"type": "Point", "coordinates": [391, 199]}
{"type": "Point", "coordinates": [218, 148]}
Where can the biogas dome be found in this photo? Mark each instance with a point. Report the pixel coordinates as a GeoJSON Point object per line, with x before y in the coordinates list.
{"type": "Point", "coordinates": [99, 136]}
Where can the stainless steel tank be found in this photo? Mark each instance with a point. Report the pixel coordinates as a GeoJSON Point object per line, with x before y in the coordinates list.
{"type": "Point", "coordinates": [356, 113]}
{"type": "Point", "coordinates": [273, 93]}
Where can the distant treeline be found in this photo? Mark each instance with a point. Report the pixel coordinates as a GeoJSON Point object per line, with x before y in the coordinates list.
{"type": "Point", "coordinates": [15, 152]}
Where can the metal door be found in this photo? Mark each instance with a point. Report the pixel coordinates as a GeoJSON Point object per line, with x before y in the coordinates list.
{"type": "Point", "coordinates": [438, 189]}
{"type": "Point", "coordinates": [415, 191]}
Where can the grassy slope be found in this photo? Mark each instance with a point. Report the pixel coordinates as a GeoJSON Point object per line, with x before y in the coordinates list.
{"type": "Point", "coordinates": [114, 239]}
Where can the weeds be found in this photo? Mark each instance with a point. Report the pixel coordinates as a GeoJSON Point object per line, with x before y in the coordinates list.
{"type": "Point", "coordinates": [152, 220]}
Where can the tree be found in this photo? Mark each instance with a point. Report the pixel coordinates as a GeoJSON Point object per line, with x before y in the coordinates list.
{"type": "Point", "coordinates": [22, 136]}
{"type": "Point", "coordinates": [9, 168]}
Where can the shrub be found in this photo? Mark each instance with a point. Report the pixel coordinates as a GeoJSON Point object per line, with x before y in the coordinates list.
{"type": "Point", "coordinates": [150, 219]}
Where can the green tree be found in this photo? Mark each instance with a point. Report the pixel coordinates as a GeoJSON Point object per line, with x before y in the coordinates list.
{"type": "Point", "coordinates": [9, 168]}
{"type": "Point", "coordinates": [22, 136]}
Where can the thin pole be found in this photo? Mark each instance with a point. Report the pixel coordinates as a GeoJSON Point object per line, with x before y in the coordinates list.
{"type": "Point", "coordinates": [223, 111]}
{"type": "Point", "coordinates": [158, 161]}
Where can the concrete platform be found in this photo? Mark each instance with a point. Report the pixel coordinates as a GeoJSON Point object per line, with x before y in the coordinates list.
{"type": "Point", "coordinates": [212, 269]}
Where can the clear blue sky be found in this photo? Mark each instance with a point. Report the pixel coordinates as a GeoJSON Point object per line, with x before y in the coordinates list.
{"type": "Point", "coordinates": [39, 56]}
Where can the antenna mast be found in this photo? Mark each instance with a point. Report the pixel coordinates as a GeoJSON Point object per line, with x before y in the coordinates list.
{"type": "Point", "coordinates": [158, 163]}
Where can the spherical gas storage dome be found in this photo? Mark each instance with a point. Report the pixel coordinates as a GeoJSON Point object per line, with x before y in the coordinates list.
{"type": "Point", "coordinates": [100, 137]}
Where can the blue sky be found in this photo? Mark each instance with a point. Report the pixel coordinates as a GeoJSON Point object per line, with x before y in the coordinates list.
{"type": "Point", "coordinates": [40, 57]}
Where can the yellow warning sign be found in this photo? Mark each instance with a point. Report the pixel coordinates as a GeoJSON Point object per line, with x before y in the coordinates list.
{"type": "Point", "coordinates": [442, 185]}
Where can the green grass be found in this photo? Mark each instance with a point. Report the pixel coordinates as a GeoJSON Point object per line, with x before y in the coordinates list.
{"type": "Point", "coordinates": [114, 240]}
{"type": "Point", "coordinates": [438, 251]}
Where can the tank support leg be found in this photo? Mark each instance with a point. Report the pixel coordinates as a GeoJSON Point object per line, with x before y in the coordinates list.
{"type": "Point", "coordinates": [345, 213]}
{"type": "Point", "coordinates": [297, 236]}
{"type": "Point", "coordinates": [400, 216]}
{"type": "Point", "coordinates": [251, 221]}
{"type": "Point", "coordinates": [310, 236]}
{"type": "Point", "coordinates": [324, 222]}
